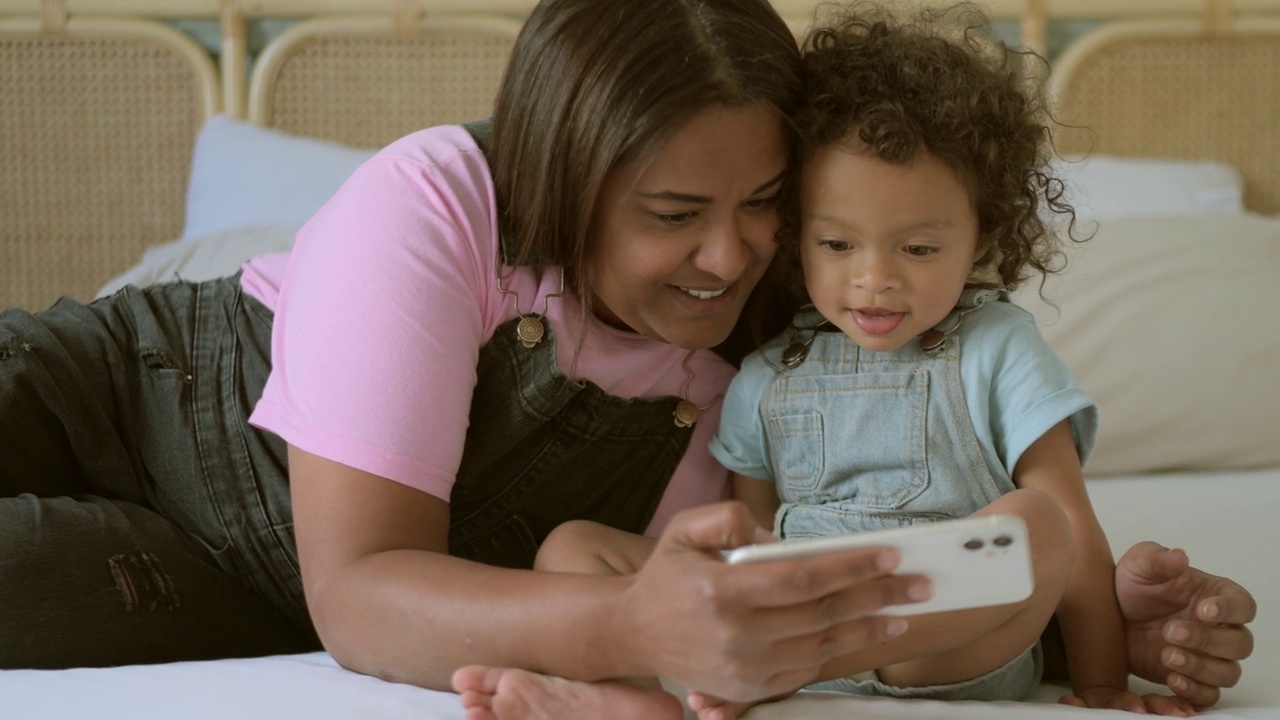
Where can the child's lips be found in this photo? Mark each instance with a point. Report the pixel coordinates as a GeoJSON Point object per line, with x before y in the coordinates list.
{"type": "Point", "coordinates": [877, 321]}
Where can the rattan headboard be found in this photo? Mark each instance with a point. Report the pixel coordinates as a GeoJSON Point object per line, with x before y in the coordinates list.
{"type": "Point", "coordinates": [98, 116]}
{"type": "Point", "coordinates": [1179, 89]}
{"type": "Point", "coordinates": [382, 77]}
{"type": "Point", "coordinates": [385, 76]}
{"type": "Point", "coordinates": [97, 120]}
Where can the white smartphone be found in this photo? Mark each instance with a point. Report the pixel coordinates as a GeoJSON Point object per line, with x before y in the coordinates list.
{"type": "Point", "coordinates": [973, 562]}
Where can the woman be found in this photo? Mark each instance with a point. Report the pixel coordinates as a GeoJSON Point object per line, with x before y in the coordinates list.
{"type": "Point", "coordinates": [417, 417]}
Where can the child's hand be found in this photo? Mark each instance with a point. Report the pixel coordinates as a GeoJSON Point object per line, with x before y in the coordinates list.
{"type": "Point", "coordinates": [1107, 698]}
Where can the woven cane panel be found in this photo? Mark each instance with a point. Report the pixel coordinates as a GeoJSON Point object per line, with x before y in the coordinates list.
{"type": "Point", "coordinates": [367, 91]}
{"type": "Point", "coordinates": [95, 147]}
{"type": "Point", "coordinates": [1184, 98]}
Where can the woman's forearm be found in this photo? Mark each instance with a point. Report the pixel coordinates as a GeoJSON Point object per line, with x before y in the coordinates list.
{"type": "Point", "coordinates": [388, 600]}
{"type": "Point", "coordinates": [414, 616]}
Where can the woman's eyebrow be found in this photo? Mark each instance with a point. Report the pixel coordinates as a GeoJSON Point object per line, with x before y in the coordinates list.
{"type": "Point", "coordinates": [689, 198]}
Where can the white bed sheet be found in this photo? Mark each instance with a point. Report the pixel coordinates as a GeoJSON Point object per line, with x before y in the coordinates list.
{"type": "Point", "coordinates": [1225, 521]}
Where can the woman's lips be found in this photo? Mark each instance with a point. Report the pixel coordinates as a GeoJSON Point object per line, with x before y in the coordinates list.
{"type": "Point", "coordinates": [704, 301]}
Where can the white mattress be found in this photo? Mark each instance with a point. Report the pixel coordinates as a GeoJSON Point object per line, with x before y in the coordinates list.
{"type": "Point", "coordinates": [1226, 522]}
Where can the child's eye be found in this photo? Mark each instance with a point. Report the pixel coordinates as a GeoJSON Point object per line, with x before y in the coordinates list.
{"type": "Point", "coordinates": [921, 250]}
{"type": "Point", "coordinates": [835, 245]}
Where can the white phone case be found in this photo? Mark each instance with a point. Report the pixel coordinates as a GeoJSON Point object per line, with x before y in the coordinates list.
{"type": "Point", "coordinates": [972, 562]}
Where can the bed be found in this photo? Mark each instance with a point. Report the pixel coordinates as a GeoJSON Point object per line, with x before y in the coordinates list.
{"type": "Point", "coordinates": [132, 152]}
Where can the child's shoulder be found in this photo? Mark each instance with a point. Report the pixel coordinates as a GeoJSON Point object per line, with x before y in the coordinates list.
{"type": "Point", "coordinates": [999, 317]}
{"type": "Point", "coordinates": [769, 355]}
{"type": "Point", "coordinates": [1000, 330]}
{"type": "Point", "coordinates": [766, 359]}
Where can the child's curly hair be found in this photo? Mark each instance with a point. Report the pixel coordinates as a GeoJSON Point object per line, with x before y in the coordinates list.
{"type": "Point", "coordinates": [893, 85]}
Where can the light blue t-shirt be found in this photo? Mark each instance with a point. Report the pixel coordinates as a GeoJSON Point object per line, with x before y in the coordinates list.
{"type": "Point", "coordinates": [1015, 386]}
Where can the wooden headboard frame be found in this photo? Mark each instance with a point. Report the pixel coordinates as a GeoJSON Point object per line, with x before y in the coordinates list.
{"type": "Point", "coordinates": [92, 175]}
{"type": "Point", "coordinates": [1192, 89]}
{"type": "Point", "coordinates": [97, 120]}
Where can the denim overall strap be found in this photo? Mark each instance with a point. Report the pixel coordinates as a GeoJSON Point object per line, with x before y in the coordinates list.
{"type": "Point", "coordinates": [866, 440]}
{"type": "Point", "coordinates": [543, 449]}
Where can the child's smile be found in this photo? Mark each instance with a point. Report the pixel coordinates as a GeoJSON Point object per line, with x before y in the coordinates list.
{"type": "Point", "coordinates": [877, 321]}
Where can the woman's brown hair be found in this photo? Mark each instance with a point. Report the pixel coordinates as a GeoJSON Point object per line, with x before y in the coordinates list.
{"type": "Point", "coordinates": [592, 84]}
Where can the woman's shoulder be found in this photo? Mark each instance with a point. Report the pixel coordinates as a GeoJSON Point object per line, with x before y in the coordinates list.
{"type": "Point", "coordinates": [438, 146]}
{"type": "Point", "coordinates": [444, 157]}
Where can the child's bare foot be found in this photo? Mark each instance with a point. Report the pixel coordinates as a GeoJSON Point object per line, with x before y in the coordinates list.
{"type": "Point", "coordinates": [501, 693]}
{"type": "Point", "coordinates": [711, 708]}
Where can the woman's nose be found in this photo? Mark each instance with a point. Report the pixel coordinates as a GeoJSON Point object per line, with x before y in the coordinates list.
{"type": "Point", "coordinates": [724, 252]}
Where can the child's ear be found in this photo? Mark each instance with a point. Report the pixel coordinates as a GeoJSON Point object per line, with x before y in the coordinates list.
{"type": "Point", "coordinates": [982, 248]}
{"type": "Point", "coordinates": [986, 265]}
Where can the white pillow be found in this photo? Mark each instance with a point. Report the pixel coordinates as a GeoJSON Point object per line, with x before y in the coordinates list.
{"type": "Point", "coordinates": [1170, 325]}
{"type": "Point", "coordinates": [1103, 187]}
{"type": "Point", "coordinates": [243, 175]}
{"type": "Point", "coordinates": [212, 256]}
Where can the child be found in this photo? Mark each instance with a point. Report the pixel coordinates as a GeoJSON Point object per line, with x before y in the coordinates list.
{"type": "Point", "coordinates": [912, 390]}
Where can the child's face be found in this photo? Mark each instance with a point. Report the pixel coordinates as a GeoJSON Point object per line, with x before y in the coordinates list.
{"type": "Point", "coordinates": [886, 248]}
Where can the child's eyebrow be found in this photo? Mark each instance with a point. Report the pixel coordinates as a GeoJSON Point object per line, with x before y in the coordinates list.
{"type": "Point", "coordinates": [833, 220]}
{"type": "Point", "coordinates": [930, 224]}
{"type": "Point", "coordinates": [688, 198]}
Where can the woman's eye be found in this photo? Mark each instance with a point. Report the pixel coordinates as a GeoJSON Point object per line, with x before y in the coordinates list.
{"type": "Point", "coordinates": [674, 218]}
{"type": "Point", "coordinates": [763, 203]}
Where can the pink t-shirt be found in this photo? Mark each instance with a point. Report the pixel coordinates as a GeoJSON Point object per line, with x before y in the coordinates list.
{"type": "Point", "coordinates": [383, 305]}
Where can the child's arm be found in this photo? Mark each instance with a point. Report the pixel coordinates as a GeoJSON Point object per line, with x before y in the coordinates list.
{"type": "Point", "coordinates": [1092, 629]}
{"type": "Point", "coordinates": [760, 496]}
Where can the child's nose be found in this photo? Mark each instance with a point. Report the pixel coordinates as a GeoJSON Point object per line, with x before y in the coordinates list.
{"type": "Point", "coordinates": [876, 273]}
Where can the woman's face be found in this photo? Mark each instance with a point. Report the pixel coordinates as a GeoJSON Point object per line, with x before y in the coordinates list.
{"type": "Point", "coordinates": [682, 234]}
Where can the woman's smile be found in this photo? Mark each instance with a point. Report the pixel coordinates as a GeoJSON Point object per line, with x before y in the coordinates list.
{"type": "Point", "coordinates": [683, 232]}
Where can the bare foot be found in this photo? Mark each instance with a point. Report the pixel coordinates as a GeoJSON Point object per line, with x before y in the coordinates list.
{"type": "Point", "coordinates": [712, 708]}
{"type": "Point", "coordinates": [505, 693]}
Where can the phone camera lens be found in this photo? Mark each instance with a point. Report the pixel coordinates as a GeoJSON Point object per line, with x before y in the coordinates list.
{"type": "Point", "coordinates": [974, 544]}
{"type": "Point", "coordinates": [1003, 541]}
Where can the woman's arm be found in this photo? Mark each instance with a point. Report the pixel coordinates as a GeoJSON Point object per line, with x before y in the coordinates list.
{"type": "Point", "coordinates": [387, 599]}
{"type": "Point", "coordinates": [1187, 628]}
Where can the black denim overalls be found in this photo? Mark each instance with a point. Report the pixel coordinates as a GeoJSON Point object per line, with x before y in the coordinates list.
{"type": "Point", "coordinates": [142, 519]}
{"type": "Point", "coordinates": [554, 450]}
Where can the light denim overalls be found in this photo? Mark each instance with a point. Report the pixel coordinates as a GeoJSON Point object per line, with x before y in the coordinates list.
{"type": "Point", "coordinates": [862, 440]}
